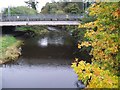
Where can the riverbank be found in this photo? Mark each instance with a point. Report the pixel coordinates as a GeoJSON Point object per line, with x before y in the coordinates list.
{"type": "Point", "coordinates": [9, 49]}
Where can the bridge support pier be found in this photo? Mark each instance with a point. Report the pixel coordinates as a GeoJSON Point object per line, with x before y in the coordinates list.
{"type": "Point", "coordinates": [8, 29]}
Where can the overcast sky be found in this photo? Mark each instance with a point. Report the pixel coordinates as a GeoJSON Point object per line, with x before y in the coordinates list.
{"type": "Point", "coordinates": [12, 3]}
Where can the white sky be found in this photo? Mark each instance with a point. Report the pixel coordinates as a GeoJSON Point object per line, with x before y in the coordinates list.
{"type": "Point", "coordinates": [12, 3]}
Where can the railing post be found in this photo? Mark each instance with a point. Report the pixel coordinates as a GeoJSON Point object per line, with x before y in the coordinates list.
{"type": "Point", "coordinates": [67, 17]}
{"type": "Point", "coordinates": [27, 19]}
{"type": "Point", "coordinates": [1, 17]}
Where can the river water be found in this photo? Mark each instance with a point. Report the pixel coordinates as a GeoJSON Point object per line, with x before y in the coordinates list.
{"type": "Point", "coordinates": [45, 63]}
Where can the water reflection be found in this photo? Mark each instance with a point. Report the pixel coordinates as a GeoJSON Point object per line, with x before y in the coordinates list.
{"type": "Point", "coordinates": [39, 77]}
{"type": "Point", "coordinates": [51, 39]}
{"type": "Point", "coordinates": [43, 42]}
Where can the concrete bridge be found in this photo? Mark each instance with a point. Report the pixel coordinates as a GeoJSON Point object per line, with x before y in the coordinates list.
{"type": "Point", "coordinates": [40, 19]}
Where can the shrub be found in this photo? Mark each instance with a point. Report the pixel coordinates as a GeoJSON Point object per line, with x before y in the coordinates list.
{"type": "Point", "coordinates": [102, 36]}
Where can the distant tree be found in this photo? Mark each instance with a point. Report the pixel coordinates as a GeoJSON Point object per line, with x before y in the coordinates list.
{"type": "Point", "coordinates": [72, 8]}
{"type": "Point", "coordinates": [32, 4]}
{"type": "Point", "coordinates": [50, 8]}
{"type": "Point", "coordinates": [60, 12]}
{"type": "Point", "coordinates": [20, 10]}
{"type": "Point", "coordinates": [63, 6]}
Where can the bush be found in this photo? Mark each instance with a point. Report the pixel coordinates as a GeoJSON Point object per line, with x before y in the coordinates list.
{"type": "Point", "coordinates": [9, 48]}
{"type": "Point", "coordinates": [102, 36]}
{"type": "Point", "coordinates": [94, 77]}
{"type": "Point", "coordinates": [20, 10]}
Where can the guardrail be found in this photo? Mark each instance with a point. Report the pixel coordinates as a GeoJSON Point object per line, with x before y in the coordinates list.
{"type": "Point", "coordinates": [41, 17]}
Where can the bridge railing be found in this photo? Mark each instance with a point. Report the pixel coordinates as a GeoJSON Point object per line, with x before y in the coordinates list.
{"type": "Point", "coordinates": [42, 17]}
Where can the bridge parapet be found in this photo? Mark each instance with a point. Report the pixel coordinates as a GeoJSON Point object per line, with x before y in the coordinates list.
{"type": "Point", "coordinates": [42, 17]}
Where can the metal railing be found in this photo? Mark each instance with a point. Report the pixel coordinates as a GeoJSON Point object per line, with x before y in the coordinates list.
{"type": "Point", "coordinates": [41, 17]}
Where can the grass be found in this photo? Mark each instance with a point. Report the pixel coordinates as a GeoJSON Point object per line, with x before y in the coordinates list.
{"type": "Point", "coordinates": [5, 42]}
{"type": "Point", "coordinates": [9, 48]}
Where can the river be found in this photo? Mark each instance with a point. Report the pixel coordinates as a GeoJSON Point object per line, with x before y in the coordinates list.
{"type": "Point", "coordinates": [45, 63]}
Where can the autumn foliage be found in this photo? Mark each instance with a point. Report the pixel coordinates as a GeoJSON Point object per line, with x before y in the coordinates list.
{"type": "Point", "coordinates": [103, 37]}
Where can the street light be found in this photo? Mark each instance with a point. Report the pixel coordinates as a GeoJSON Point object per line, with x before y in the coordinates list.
{"type": "Point", "coordinates": [9, 13]}
{"type": "Point", "coordinates": [84, 4]}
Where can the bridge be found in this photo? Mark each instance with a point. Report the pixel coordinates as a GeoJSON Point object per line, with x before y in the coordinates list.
{"type": "Point", "coordinates": [40, 19]}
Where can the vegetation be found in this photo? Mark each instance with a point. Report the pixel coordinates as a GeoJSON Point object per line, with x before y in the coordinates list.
{"type": "Point", "coordinates": [63, 8]}
{"type": "Point", "coordinates": [37, 30]}
{"type": "Point", "coordinates": [102, 36]}
{"type": "Point", "coordinates": [9, 48]}
{"type": "Point", "coordinates": [32, 4]}
{"type": "Point", "coordinates": [23, 10]}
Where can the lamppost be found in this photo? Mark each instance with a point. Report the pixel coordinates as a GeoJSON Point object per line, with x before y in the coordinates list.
{"type": "Point", "coordinates": [9, 13]}
{"type": "Point", "coordinates": [84, 4]}
{"type": "Point", "coordinates": [0, 16]}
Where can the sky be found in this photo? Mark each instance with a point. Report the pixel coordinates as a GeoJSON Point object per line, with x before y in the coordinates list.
{"type": "Point", "coordinates": [12, 3]}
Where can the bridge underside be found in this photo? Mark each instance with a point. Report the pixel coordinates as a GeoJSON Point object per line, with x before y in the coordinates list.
{"type": "Point", "coordinates": [25, 23]}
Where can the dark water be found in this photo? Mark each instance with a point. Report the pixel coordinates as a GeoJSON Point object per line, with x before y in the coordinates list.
{"type": "Point", "coordinates": [45, 63]}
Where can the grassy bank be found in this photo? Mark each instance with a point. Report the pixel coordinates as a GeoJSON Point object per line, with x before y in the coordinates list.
{"type": "Point", "coordinates": [9, 49]}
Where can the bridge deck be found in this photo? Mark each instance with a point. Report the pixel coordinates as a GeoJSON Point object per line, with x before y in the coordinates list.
{"type": "Point", "coordinates": [24, 23]}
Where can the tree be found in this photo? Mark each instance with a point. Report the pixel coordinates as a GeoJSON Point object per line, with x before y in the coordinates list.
{"type": "Point", "coordinates": [72, 8]}
{"type": "Point", "coordinates": [102, 36]}
{"type": "Point", "coordinates": [32, 4]}
{"type": "Point", "coordinates": [50, 8]}
{"type": "Point", "coordinates": [20, 10]}
{"type": "Point", "coordinates": [62, 7]}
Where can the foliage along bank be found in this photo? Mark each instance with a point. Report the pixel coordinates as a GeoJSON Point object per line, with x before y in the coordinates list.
{"type": "Point", "coordinates": [103, 36]}
{"type": "Point", "coordinates": [9, 49]}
